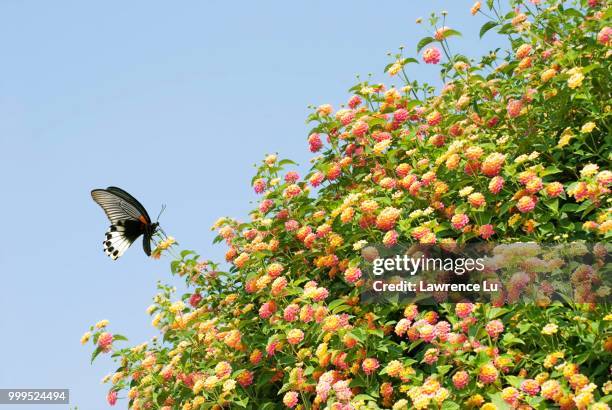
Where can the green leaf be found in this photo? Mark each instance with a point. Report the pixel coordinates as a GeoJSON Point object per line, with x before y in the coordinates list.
{"type": "Point", "coordinates": [536, 402]}
{"type": "Point", "coordinates": [363, 397]}
{"type": "Point", "coordinates": [496, 312]}
{"type": "Point", "coordinates": [570, 208]}
{"type": "Point", "coordinates": [497, 400]}
{"type": "Point", "coordinates": [186, 252]}
{"type": "Point", "coordinates": [523, 327]}
{"type": "Point", "coordinates": [509, 340]}
{"type": "Point", "coordinates": [341, 308]}
{"type": "Point", "coordinates": [95, 354]}
{"type": "Point", "coordinates": [553, 204]}
{"type": "Point", "coordinates": [382, 348]}
{"type": "Point", "coordinates": [450, 405]}
{"type": "Point", "coordinates": [424, 42]}
{"type": "Point", "coordinates": [413, 103]}
{"type": "Point", "coordinates": [550, 171]}
{"type": "Point", "coordinates": [573, 13]}
{"type": "Point", "coordinates": [486, 27]}
{"type": "Point", "coordinates": [377, 332]}
{"type": "Point", "coordinates": [335, 303]}
{"type": "Point", "coordinates": [590, 67]}
{"type": "Point", "coordinates": [357, 334]}
{"type": "Point", "coordinates": [514, 381]}
{"type": "Point", "coordinates": [359, 381]}
{"type": "Point", "coordinates": [286, 162]}
{"type": "Point", "coordinates": [450, 33]}
{"type": "Point", "coordinates": [505, 208]}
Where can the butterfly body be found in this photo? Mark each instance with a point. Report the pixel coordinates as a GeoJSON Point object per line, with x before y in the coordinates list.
{"type": "Point", "coordinates": [129, 220]}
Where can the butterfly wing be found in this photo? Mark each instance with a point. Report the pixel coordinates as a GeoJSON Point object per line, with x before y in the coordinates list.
{"type": "Point", "coordinates": [120, 236]}
{"type": "Point", "coordinates": [117, 207]}
{"type": "Point", "coordinates": [128, 219]}
{"type": "Point", "coordinates": [132, 201]}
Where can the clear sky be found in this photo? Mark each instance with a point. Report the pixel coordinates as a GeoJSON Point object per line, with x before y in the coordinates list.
{"type": "Point", "coordinates": [174, 102]}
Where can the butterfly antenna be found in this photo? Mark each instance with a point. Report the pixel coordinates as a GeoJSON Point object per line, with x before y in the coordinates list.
{"type": "Point", "coordinates": [161, 212]}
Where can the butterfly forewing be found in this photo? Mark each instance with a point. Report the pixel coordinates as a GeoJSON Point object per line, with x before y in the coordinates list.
{"type": "Point", "coordinates": [116, 207]}
{"type": "Point", "coordinates": [133, 202]}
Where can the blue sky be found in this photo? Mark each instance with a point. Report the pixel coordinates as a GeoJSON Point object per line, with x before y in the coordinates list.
{"type": "Point", "coordinates": [174, 102]}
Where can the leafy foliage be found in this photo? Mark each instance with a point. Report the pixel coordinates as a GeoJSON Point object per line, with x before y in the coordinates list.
{"type": "Point", "coordinates": [513, 148]}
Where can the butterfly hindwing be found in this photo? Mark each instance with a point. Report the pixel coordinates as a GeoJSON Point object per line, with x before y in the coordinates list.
{"type": "Point", "coordinates": [115, 245]}
{"type": "Point", "coordinates": [129, 220]}
{"type": "Point", "coordinates": [120, 237]}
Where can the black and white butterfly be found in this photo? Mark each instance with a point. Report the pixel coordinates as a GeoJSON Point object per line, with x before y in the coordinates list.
{"type": "Point", "coordinates": [128, 218]}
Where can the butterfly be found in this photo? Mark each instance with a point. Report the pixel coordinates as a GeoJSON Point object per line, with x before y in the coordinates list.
{"type": "Point", "coordinates": [128, 218]}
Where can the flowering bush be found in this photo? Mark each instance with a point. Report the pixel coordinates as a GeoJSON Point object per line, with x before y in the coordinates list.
{"type": "Point", "coordinates": [513, 148]}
